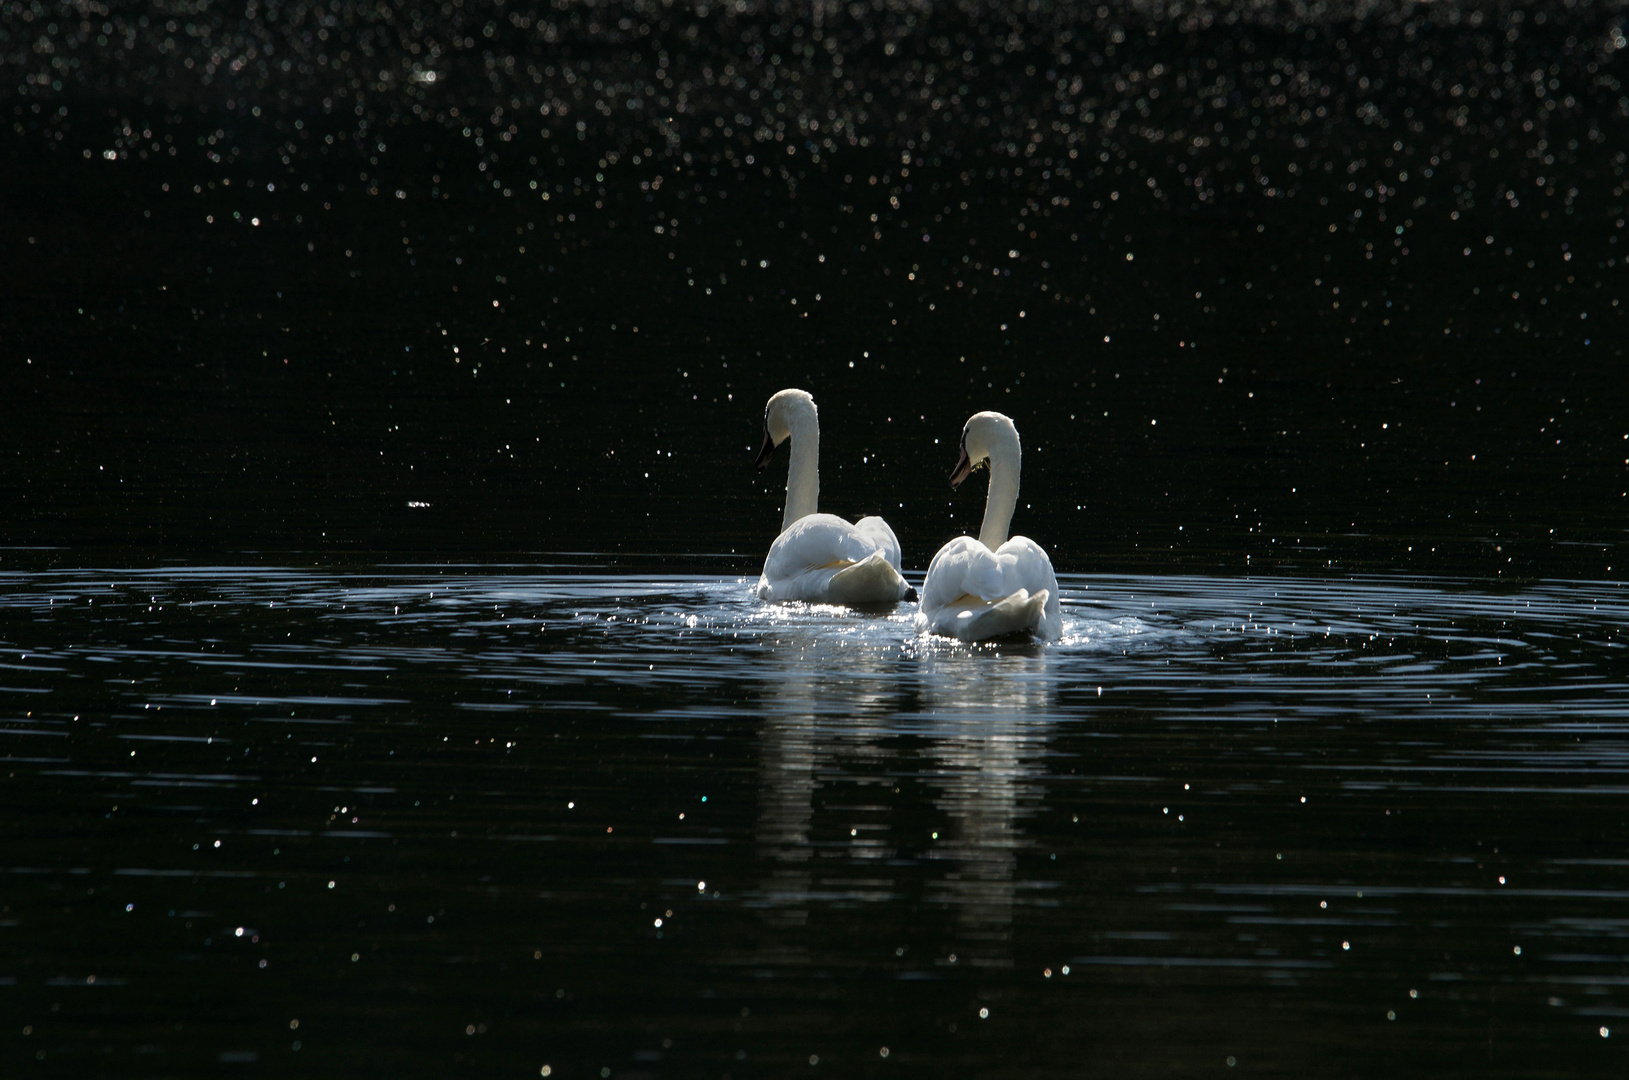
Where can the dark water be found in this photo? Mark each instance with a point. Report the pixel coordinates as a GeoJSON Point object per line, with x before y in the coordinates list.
{"type": "Point", "coordinates": [378, 388]}
{"type": "Point", "coordinates": [487, 819]}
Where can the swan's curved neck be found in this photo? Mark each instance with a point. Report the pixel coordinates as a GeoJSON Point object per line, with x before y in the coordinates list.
{"type": "Point", "coordinates": [1003, 495]}
{"type": "Point", "coordinates": [803, 471]}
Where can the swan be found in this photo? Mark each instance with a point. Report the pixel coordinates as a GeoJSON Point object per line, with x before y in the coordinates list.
{"type": "Point", "coordinates": [992, 586]}
{"type": "Point", "coordinates": [820, 558]}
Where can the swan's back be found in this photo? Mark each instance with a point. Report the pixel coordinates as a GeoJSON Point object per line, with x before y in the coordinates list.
{"type": "Point", "coordinates": [877, 532]}
{"type": "Point", "coordinates": [1010, 590]}
{"type": "Point", "coordinates": [821, 558]}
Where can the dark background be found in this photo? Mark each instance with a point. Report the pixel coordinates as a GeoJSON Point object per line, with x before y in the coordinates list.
{"type": "Point", "coordinates": [1319, 290]}
{"type": "Point", "coordinates": [1212, 262]}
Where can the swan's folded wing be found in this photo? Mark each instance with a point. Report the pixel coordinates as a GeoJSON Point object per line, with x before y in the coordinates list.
{"type": "Point", "coordinates": [963, 567]}
{"type": "Point", "coordinates": [823, 559]}
{"type": "Point", "coordinates": [876, 531]}
{"type": "Point", "coordinates": [1025, 565]}
{"type": "Point", "coordinates": [813, 542]}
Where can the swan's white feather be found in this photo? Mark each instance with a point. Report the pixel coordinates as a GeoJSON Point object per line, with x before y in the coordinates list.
{"type": "Point", "coordinates": [973, 593]}
{"type": "Point", "coordinates": [821, 558]}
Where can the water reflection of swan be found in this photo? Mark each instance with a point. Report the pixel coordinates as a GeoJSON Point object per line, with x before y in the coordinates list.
{"type": "Point", "coordinates": [834, 694]}
{"type": "Point", "coordinates": [817, 557]}
{"type": "Point", "coordinates": [989, 718]}
{"type": "Point", "coordinates": [786, 784]}
{"type": "Point", "coordinates": [993, 586]}
{"type": "Point", "coordinates": [846, 710]}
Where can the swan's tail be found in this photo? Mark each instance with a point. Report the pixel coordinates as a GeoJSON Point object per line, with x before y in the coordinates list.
{"type": "Point", "coordinates": [1020, 613]}
{"type": "Point", "coordinates": [872, 580]}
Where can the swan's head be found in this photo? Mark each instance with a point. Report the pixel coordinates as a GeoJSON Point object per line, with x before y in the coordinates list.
{"type": "Point", "coordinates": [986, 434]}
{"type": "Point", "coordinates": [783, 410]}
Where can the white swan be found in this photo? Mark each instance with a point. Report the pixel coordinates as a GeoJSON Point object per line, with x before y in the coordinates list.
{"type": "Point", "coordinates": [820, 558]}
{"type": "Point", "coordinates": [992, 586]}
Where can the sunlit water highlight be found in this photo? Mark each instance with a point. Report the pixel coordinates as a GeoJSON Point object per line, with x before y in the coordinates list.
{"type": "Point", "coordinates": [643, 822]}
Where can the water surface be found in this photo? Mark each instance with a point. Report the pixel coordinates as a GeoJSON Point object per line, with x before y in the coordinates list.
{"type": "Point", "coordinates": [422, 817]}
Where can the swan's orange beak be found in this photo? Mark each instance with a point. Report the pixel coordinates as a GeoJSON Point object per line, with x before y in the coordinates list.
{"type": "Point", "coordinates": [964, 466]}
{"type": "Point", "coordinates": [765, 454]}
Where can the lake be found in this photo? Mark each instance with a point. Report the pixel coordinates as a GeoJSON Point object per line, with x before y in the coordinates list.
{"type": "Point", "coordinates": [425, 817]}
